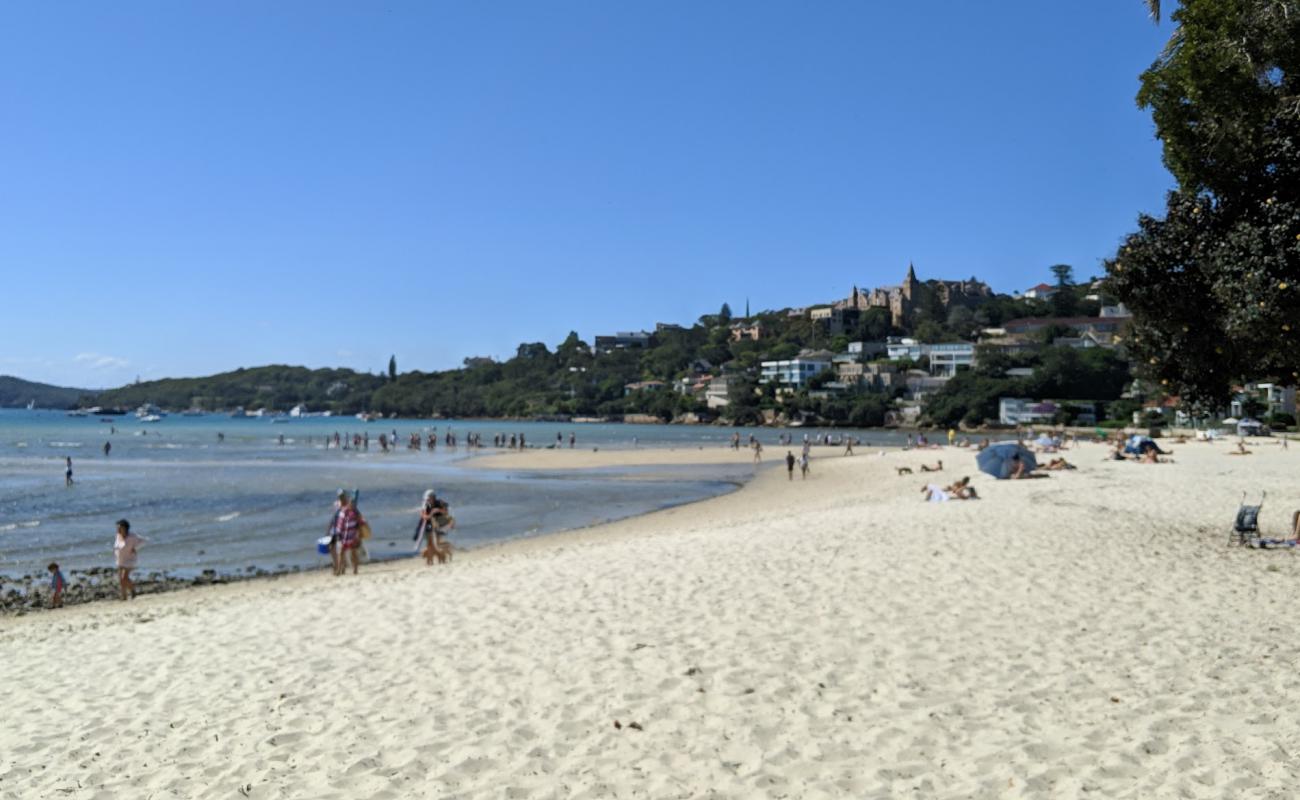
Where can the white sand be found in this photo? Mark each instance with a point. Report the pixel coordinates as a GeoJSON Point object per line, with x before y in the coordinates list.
{"type": "Point", "coordinates": [1084, 634]}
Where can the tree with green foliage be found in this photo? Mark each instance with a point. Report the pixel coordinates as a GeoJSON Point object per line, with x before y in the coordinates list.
{"type": "Point", "coordinates": [392, 368]}
{"type": "Point", "coordinates": [1064, 300]}
{"type": "Point", "coordinates": [1214, 285]}
{"type": "Point", "coordinates": [724, 315]}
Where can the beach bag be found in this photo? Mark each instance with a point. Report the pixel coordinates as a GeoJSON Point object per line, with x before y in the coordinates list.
{"type": "Point", "coordinates": [363, 530]}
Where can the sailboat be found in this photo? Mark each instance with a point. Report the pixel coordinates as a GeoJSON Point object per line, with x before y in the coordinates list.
{"type": "Point", "coordinates": [31, 404]}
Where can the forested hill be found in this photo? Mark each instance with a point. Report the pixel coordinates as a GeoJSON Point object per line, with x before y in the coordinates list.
{"type": "Point", "coordinates": [16, 392]}
{"type": "Point", "coordinates": [274, 387]}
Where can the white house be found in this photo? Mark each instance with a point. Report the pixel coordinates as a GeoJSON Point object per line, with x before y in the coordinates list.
{"type": "Point", "coordinates": [1042, 291]}
{"type": "Point", "coordinates": [795, 372]}
{"type": "Point", "coordinates": [944, 358]}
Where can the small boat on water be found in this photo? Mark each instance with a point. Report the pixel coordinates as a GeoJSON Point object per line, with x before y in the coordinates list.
{"type": "Point", "coordinates": [151, 418]}
{"type": "Point", "coordinates": [31, 405]}
{"type": "Point", "coordinates": [78, 413]}
{"type": "Point", "coordinates": [238, 413]}
{"type": "Point", "coordinates": [149, 410]}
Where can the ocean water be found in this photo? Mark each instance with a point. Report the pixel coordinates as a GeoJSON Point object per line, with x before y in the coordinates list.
{"type": "Point", "coordinates": [252, 501]}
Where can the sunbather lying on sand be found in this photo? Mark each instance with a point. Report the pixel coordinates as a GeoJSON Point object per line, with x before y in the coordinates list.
{"type": "Point", "coordinates": [938, 467]}
{"type": "Point", "coordinates": [962, 490]}
{"type": "Point", "coordinates": [1241, 450]}
{"type": "Point", "coordinates": [1057, 464]}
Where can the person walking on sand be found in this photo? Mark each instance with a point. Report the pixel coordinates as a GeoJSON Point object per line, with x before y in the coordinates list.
{"type": "Point", "coordinates": [340, 503]}
{"type": "Point", "coordinates": [848, 445]}
{"type": "Point", "coordinates": [426, 526]}
{"type": "Point", "coordinates": [67, 473]}
{"type": "Point", "coordinates": [349, 533]}
{"type": "Point", "coordinates": [108, 447]}
{"type": "Point", "coordinates": [789, 464]}
{"type": "Point", "coordinates": [57, 585]}
{"type": "Point", "coordinates": [803, 466]}
{"type": "Point", "coordinates": [126, 549]}
{"type": "Point", "coordinates": [758, 451]}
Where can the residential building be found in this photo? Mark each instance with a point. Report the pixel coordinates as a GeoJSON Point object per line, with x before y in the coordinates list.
{"type": "Point", "coordinates": [1084, 342]}
{"type": "Point", "coordinates": [796, 372]}
{"type": "Point", "coordinates": [641, 386]}
{"type": "Point", "coordinates": [1103, 329]}
{"type": "Point", "coordinates": [871, 376]}
{"type": "Point", "coordinates": [821, 314]}
{"type": "Point", "coordinates": [718, 392]}
{"type": "Point", "coordinates": [898, 349]}
{"type": "Point", "coordinates": [866, 349]}
{"type": "Point", "coordinates": [920, 385]}
{"type": "Point", "coordinates": [693, 385]}
{"type": "Point", "coordinates": [660, 327]}
{"type": "Point", "coordinates": [947, 358]}
{"type": "Point", "coordinates": [1042, 291]}
{"type": "Point", "coordinates": [1021, 411]}
{"type": "Point", "coordinates": [1118, 311]}
{"type": "Point", "coordinates": [623, 340]}
{"type": "Point", "coordinates": [747, 331]}
{"type": "Point", "coordinates": [1279, 399]}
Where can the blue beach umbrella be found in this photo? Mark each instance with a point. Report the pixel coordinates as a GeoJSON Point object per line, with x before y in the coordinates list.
{"type": "Point", "coordinates": [999, 459]}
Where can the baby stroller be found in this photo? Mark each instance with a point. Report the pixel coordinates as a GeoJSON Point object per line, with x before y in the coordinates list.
{"type": "Point", "coordinates": [1245, 529]}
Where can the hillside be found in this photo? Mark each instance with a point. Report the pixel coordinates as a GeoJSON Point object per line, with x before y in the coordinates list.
{"type": "Point", "coordinates": [276, 387]}
{"type": "Point", "coordinates": [16, 392]}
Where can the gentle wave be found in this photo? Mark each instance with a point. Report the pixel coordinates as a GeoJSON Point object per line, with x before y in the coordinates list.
{"type": "Point", "coordinates": [65, 444]}
{"type": "Point", "coordinates": [228, 517]}
{"type": "Point", "coordinates": [13, 526]}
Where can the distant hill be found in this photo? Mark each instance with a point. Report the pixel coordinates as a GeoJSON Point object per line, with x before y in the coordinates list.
{"type": "Point", "coordinates": [16, 392]}
{"type": "Point", "coordinates": [276, 387]}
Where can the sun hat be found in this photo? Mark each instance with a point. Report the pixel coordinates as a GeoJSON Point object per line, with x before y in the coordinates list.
{"type": "Point", "coordinates": [428, 493]}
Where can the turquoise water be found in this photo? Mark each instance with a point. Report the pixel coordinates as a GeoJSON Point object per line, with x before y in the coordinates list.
{"type": "Point", "coordinates": [253, 501]}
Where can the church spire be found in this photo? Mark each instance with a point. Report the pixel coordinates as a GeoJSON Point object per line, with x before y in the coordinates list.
{"type": "Point", "coordinates": [911, 273]}
{"type": "Point", "coordinates": [746, 308]}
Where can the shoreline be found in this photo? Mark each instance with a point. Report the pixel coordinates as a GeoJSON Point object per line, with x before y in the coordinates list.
{"type": "Point", "coordinates": [98, 585]}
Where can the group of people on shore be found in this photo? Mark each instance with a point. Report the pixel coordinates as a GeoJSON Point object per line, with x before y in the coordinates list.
{"type": "Point", "coordinates": [348, 531]}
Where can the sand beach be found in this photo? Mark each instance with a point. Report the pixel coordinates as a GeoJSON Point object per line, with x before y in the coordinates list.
{"type": "Point", "coordinates": [1088, 634]}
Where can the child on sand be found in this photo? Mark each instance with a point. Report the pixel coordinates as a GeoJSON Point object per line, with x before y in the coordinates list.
{"type": "Point", "coordinates": [57, 585]}
{"type": "Point", "coordinates": [125, 553]}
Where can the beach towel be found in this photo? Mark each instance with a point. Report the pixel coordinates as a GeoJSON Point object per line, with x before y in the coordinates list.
{"type": "Point", "coordinates": [935, 494]}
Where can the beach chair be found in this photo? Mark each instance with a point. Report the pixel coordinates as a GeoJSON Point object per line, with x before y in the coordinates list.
{"type": "Point", "coordinates": [1246, 527]}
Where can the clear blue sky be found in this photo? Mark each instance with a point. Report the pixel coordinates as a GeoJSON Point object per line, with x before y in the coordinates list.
{"type": "Point", "coordinates": [190, 187]}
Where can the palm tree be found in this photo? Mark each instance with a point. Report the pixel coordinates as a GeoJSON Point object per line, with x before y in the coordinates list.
{"type": "Point", "coordinates": [1153, 6]}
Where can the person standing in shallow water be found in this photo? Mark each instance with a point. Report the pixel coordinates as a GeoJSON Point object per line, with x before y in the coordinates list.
{"type": "Point", "coordinates": [789, 464]}
{"type": "Point", "coordinates": [125, 554]}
